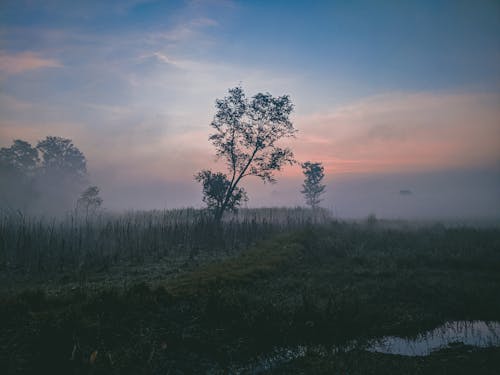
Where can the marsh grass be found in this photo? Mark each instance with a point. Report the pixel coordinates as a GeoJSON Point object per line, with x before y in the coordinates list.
{"type": "Point", "coordinates": [40, 246]}
{"type": "Point", "coordinates": [322, 284]}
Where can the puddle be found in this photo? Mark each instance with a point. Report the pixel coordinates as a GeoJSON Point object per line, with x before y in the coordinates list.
{"type": "Point", "coordinates": [473, 333]}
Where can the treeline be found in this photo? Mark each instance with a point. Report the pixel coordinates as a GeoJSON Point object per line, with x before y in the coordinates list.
{"type": "Point", "coordinates": [47, 178]}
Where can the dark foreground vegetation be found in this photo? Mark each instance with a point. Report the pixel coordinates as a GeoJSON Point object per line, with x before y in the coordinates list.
{"type": "Point", "coordinates": [238, 292]}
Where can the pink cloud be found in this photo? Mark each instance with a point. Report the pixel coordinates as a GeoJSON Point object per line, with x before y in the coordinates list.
{"type": "Point", "coordinates": [404, 132]}
{"type": "Point", "coordinates": [25, 61]}
{"type": "Point", "coordinates": [384, 134]}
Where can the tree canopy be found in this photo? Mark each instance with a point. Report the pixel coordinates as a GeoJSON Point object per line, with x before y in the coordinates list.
{"type": "Point", "coordinates": [61, 155]}
{"type": "Point", "coordinates": [21, 156]}
{"type": "Point", "coordinates": [18, 166]}
{"type": "Point", "coordinates": [46, 178]}
{"type": "Point", "coordinates": [246, 135]}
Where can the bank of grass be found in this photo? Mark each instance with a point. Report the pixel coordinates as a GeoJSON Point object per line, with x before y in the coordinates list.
{"type": "Point", "coordinates": [321, 285]}
{"type": "Point", "coordinates": [259, 262]}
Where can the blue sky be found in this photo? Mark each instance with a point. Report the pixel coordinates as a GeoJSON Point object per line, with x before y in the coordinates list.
{"type": "Point", "coordinates": [379, 86]}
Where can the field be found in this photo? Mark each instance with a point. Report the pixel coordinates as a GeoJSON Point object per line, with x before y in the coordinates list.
{"type": "Point", "coordinates": [171, 292]}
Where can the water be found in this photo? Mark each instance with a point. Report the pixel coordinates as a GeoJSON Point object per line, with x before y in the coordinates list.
{"type": "Point", "coordinates": [473, 333]}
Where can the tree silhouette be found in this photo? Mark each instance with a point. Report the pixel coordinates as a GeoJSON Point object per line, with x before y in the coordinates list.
{"type": "Point", "coordinates": [312, 187]}
{"type": "Point", "coordinates": [47, 177]}
{"type": "Point", "coordinates": [18, 165]}
{"type": "Point", "coordinates": [62, 175]}
{"type": "Point", "coordinates": [246, 136]}
{"type": "Point", "coordinates": [89, 200]}
{"type": "Point", "coordinates": [60, 155]}
{"type": "Point", "coordinates": [21, 156]}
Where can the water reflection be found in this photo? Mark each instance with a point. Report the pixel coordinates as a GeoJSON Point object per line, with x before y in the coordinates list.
{"type": "Point", "coordinates": [474, 333]}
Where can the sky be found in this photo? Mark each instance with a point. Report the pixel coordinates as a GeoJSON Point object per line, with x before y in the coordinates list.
{"type": "Point", "coordinates": [389, 96]}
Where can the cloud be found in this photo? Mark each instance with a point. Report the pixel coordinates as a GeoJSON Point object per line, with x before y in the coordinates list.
{"type": "Point", "coordinates": [25, 61]}
{"type": "Point", "coordinates": [162, 57]}
{"type": "Point", "coordinates": [404, 132]}
{"type": "Point", "coordinates": [186, 30]}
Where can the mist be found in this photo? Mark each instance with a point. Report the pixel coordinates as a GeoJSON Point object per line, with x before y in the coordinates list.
{"type": "Point", "coordinates": [440, 195]}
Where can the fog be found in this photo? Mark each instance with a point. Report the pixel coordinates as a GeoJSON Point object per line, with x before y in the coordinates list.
{"type": "Point", "coordinates": [49, 180]}
{"type": "Point", "coordinates": [449, 194]}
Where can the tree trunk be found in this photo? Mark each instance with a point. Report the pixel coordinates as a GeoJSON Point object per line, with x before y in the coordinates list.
{"type": "Point", "coordinates": [218, 215]}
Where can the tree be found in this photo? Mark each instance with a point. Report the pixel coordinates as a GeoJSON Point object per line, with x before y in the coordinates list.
{"type": "Point", "coordinates": [63, 173]}
{"type": "Point", "coordinates": [18, 165]}
{"type": "Point", "coordinates": [45, 178]}
{"type": "Point", "coordinates": [62, 156]}
{"type": "Point", "coordinates": [21, 156]}
{"type": "Point", "coordinates": [246, 136]}
{"type": "Point", "coordinates": [312, 187]}
{"type": "Point", "coordinates": [89, 200]}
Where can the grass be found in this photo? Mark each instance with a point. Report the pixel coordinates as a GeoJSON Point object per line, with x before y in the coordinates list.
{"type": "Point", "coordinates": [38, 249]}
{"type": "Point", "coordinates": [308, 284]}
{"type": "Point", "coordinates": [269, 257]}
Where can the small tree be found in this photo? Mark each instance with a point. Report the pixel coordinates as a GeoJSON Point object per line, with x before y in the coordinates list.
{"type": "Point", "coordinates": [89, 200]}
{"type": "Point", "coordinates": [312, 187]}
{"type": "Point", "coordinates": [246, 136]}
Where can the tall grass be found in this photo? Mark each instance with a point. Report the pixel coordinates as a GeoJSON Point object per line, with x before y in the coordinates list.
{"type": "Point", "coordinates": [41, 245]}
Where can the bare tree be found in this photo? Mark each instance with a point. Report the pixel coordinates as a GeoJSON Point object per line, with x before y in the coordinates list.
{"type": "Point", "coordinates": [89, 200]}
{"type": "Point", "coordinates": [312, 187]}
{"type": "Point", "coordinates": [246, 136]}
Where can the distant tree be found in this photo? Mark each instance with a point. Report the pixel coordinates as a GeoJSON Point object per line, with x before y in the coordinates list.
{"type": "Point", "coordinates": [21, 156]}
{"type": "Point", "coordinates": [62, 175]}
{"type": "Point", "coordinates": [18, 165]}
{"type": "Point", "coordinates": [246, 136]}
{"type": "Point", "coordinates": [89, 201]}
{"type": "Point", "coordinates": [45, 178]}
{"type": "Point", "coordinates": [312, 187]}
{"type": "Point", "coordinates": [62, 156]}
{"type": "Point", "coordinates": [215, 188]}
